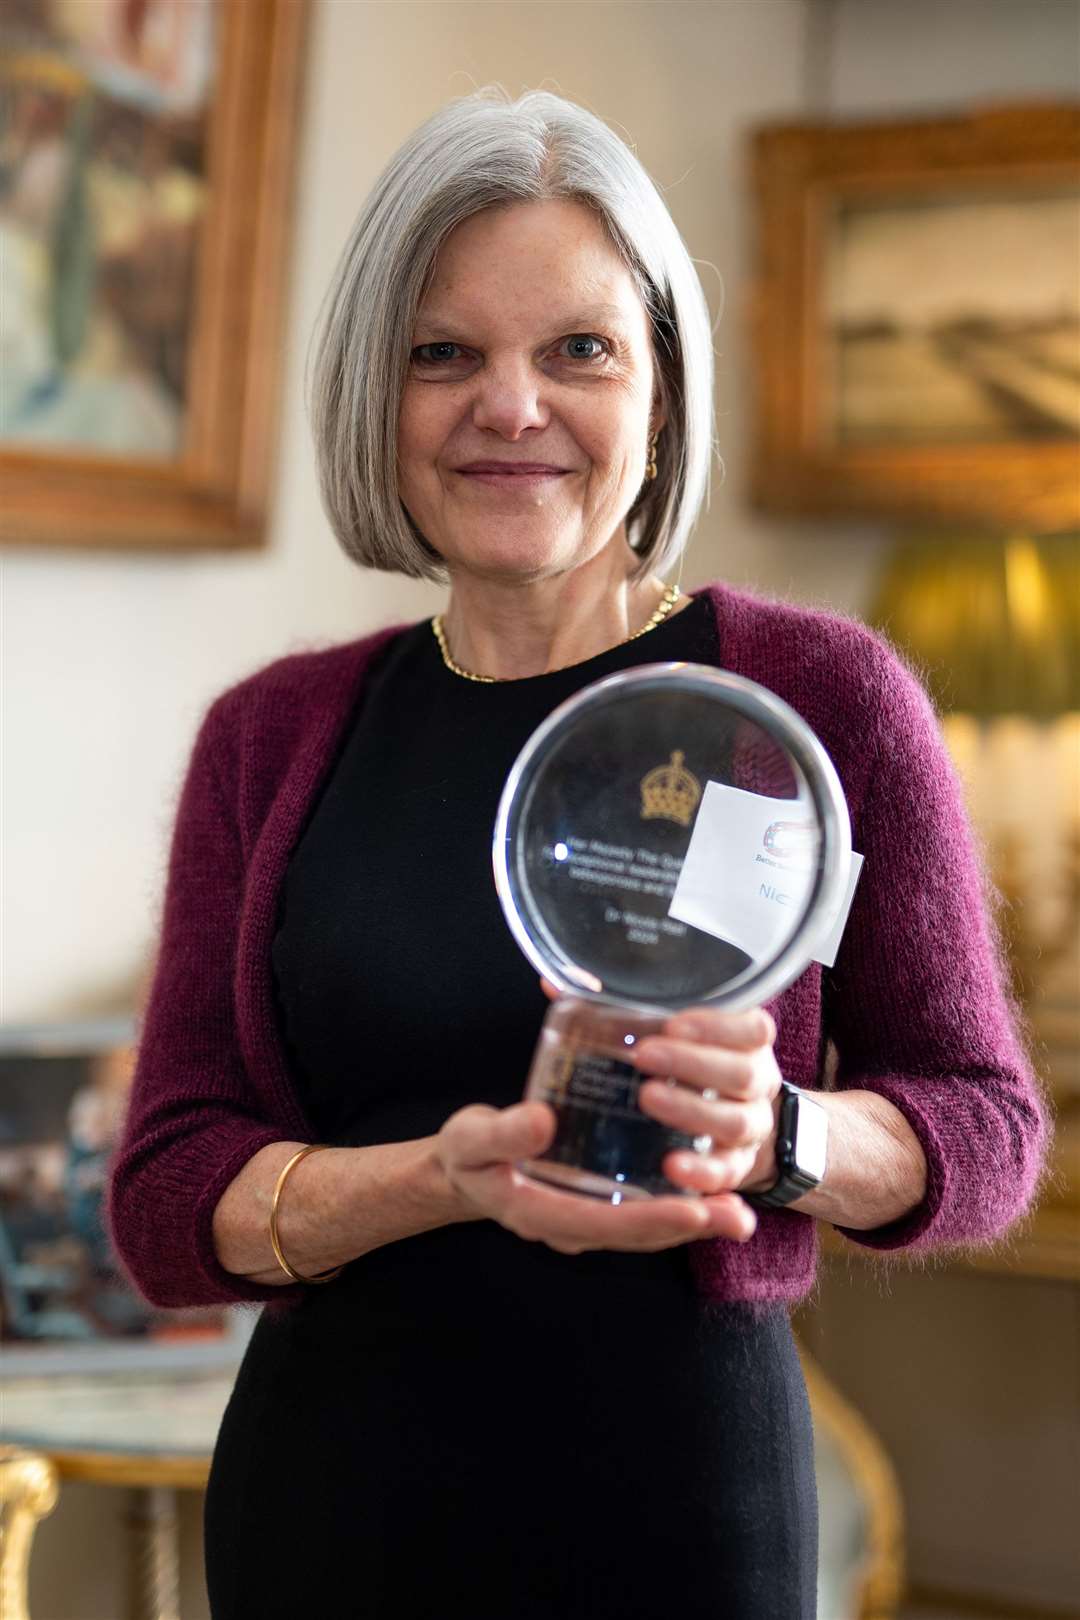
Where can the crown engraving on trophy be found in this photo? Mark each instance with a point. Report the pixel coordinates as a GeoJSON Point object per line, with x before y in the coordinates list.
{"type": "Point", "coordinates": [671, 792]}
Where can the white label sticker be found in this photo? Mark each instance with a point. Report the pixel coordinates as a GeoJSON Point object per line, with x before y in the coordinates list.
{"type": "Point", "coordinates": [826, 951]}
{"type": "Point", "coordinates": [749, 871]}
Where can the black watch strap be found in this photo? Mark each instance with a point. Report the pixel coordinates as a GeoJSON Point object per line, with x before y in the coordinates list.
{"type": "Point", "coordinates": [795, 1179]}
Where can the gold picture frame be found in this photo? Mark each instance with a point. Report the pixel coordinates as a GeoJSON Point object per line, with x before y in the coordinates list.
{"type": "Point", "coordinates": [211, 489]}
{"type": "Point", "coordinates": [915, 318]}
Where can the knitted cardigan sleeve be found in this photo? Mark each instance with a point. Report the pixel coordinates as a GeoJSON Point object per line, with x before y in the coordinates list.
{"type": "Point", "coordinates": [917, 1004]}
{"type": "Point", "coordinates": [192, 1120]}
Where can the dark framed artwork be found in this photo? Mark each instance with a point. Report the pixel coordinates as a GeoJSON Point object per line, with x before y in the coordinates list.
{"type": "Point", "coordinates": [65, 1303]}
{"type": "Point", "coordinates": [146, 161]}
{"type": "Point", "coordinates": [916, 318]}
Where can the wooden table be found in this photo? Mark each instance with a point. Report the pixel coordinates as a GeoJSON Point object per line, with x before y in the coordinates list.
{"type": "Point", "coordinates": [149, 1432]}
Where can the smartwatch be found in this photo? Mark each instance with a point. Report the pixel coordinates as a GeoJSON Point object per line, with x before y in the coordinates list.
{"type": "Point", "coordinates": [802, 1131]}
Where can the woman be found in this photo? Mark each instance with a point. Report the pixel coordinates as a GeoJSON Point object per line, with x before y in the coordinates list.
{"type": "Point", "coordinates": [511, 1401]}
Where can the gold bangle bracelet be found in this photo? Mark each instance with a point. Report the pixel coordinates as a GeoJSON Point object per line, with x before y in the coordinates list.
{"type": "Point", "coordinates": [322, 1276]}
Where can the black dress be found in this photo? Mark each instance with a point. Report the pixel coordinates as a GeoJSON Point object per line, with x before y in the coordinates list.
{"type": "Point", "coordinates": [464, 1423]}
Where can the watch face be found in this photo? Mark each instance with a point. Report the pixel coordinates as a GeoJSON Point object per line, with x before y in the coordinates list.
{"type": "Point", "coordinates": [811, 1142]}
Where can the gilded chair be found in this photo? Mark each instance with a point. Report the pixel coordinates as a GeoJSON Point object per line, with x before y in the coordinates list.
{"type": "Point", "coordinates": [28, 1492]}
{"type": "Point", "coordinates": [861, 1566]}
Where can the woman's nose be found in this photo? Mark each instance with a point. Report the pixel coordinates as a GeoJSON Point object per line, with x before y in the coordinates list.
{"type": "Point", "coordinates": [509, 399]}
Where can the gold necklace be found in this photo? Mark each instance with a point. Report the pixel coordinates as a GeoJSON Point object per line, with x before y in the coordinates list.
{"type": "Point", "coordinates": [667, 602]}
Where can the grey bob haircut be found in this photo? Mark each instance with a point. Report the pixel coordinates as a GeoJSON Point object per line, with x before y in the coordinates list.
{"type": "Point", "coordinates": [487, 151]}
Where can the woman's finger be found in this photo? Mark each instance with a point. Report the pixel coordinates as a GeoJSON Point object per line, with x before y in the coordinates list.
{"type": "Point", "coordinates": [730, 1216]}
{"type": "Point", "coordinates": [730, 1124]}
{"type": "Point", "coordinates": [735, 1074]}
{"type": "Point", "coordinates": [479, 1136]}
{"type": "Point", "coordinates": [742, 1031]}
{"type": "Point", "coordinates": [710, 1172]}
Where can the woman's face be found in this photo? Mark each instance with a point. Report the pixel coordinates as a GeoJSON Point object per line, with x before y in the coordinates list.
{"type": "Point", "coordinates": [525, 421]}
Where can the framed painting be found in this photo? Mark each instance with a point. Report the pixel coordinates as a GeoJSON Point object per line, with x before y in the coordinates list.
{"type": "Point", "coordinates": [916, 318]}
{"type": "Point", "coordinates": [147, 160]}
{"type": "Point", "coordinates": [65, 1303]}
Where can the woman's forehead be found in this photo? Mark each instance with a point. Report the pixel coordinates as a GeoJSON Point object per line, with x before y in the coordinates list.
{"type": "Point", "coordinates": [452, 319]}
{"type": "Point", "coordinates": [537, 256]}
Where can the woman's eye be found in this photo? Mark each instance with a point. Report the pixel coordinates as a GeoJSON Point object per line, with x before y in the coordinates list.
{"type": "Point", "coordinates": [583, 346]}
{"type": "Point", "coordinates": [436, 354]}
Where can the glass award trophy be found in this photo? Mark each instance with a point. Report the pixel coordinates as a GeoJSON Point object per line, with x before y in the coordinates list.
{"type": "Point", "coordinates": [670, 836]}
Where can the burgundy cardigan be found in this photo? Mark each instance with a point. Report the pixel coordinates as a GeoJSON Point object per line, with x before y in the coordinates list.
{"type": "Point", "coordinates": [915, 1005]}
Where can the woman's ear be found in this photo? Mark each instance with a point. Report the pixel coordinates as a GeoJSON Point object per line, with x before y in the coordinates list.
{"type": "Point", "coordinates": [658, 414]}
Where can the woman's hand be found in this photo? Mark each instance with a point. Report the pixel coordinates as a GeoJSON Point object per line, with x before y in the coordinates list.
{"type": "Point", "coordinates": [478, 1146]}
{"type": "Point", "coordinates": [720, 1079]}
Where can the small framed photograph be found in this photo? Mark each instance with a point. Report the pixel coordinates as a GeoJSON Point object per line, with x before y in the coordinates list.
{"type": "Point", "coordinates": [65, 1305]}
{"type": "Point", "coordinates": [147, 157]}
{"type": "Point", "coordinates": [916, 318]}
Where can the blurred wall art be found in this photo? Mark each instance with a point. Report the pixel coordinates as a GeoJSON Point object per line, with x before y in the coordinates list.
{"type": "Point", "coordinates": [916, 317]}
{"type": "Point", "coordinates": [146, 152]}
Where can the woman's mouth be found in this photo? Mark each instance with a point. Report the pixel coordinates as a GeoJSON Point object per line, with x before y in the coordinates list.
{"type": "Point", "coordinates": [511, 474]}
